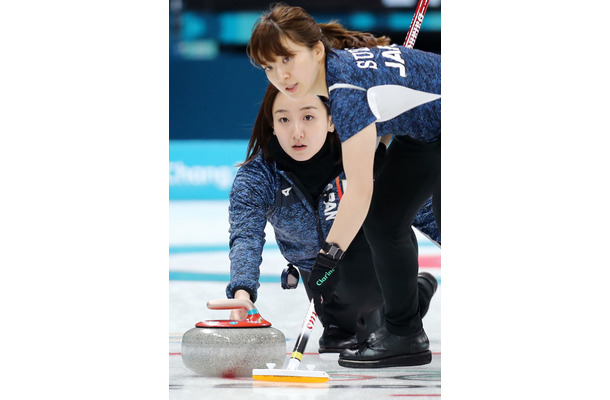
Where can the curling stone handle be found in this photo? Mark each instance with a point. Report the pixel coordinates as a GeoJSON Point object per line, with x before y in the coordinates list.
{"type": "Point", "coordinates": [253, 316]}
{"type": "Point", "coordinates": [230, 304]}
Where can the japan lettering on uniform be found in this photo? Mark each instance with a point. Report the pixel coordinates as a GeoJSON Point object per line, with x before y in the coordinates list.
{"type": "Point", "coordinates": [363, 58]}
{"type": "Point", "coordinates": [330, 203]}
{"type": "Point", "coordinates": [330, 206]}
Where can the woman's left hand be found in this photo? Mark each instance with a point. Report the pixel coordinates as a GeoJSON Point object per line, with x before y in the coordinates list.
{"type": "Point", "coordinates": [324, 278]}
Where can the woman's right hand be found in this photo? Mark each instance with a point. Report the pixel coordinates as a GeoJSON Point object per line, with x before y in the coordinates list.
{"type": "Point", "coordinates": [239, 313]}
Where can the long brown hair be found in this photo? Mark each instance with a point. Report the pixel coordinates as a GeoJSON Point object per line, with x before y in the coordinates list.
{"type": "Point", "coordinates": [283, 22]}
{"type": "Point", "coordinates": [263, 127]}
{"type": "Point", "coordinates": [267, 42]}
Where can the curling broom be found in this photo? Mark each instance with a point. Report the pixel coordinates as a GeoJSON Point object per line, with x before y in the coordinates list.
{"type": "Point", "coordinates": [291, 373]}
{"type": "Point", "coordinates": [418, 17]}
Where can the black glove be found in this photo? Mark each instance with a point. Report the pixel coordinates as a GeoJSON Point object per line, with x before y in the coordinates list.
{"type": "Point", "coordinates": [323, 278]}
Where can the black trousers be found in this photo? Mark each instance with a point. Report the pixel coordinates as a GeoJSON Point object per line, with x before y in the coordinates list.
{"type": "Point", "coordinates": [357, 304]}
{"type": "Point", "coordinates": [410, 175]}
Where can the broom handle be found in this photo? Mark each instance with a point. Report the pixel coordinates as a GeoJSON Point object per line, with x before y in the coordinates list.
{"type": "Point", "coordinates": [299, 346]}
{"type": "Point", "coordinates": [418, 17]}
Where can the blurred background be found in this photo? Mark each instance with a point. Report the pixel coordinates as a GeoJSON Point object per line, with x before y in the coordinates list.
{"type": "Point", "coordinates": [215, 92]}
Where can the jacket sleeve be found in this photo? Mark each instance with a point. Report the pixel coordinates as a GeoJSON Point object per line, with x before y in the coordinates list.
{"type": "Point", "coordinates": [249, 199]}
{"type": "Point", "coordinates": [425, 223]}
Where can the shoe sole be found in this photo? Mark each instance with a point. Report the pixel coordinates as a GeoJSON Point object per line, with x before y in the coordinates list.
{"type": "Point", "coordinates": [331, 350]}
{"type": "Point", "coordinates": [410, 360]}
{"type": "Point", "coordinates": [335, 349]}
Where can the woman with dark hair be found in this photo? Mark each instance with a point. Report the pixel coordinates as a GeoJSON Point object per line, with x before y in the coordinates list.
{"type": "Point", "coordinates": [374, 90]}
{"type": "Point", "coordinates": [292, 178]}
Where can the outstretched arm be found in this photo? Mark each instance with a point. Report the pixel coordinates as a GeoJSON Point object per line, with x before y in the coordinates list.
{"type": "Point", "coordinates": [358, 156]}
{"type": "Point", "coordinates": [250, 197]}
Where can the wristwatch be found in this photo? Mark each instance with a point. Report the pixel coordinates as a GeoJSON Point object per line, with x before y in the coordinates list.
{"type": "Point", "coordinates": [333, 251]}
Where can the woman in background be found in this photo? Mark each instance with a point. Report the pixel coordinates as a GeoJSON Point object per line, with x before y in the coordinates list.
{"type": "Point", "coordinates": [293, 179]}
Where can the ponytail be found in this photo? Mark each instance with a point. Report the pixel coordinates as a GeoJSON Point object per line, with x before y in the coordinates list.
{"type": "Point", "coordinates": [337, 37]}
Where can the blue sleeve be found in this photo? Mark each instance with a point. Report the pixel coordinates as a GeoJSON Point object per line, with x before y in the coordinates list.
{"type": "Point", "coordinates": [249, 199]}
{"type": "Point", "coordinates": [351, 112]}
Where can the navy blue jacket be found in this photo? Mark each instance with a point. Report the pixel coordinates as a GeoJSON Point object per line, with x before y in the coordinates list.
{"type": "Point", "coordinates": [395, 87]}
{"type": "Point", "coordinates": [262, 193]}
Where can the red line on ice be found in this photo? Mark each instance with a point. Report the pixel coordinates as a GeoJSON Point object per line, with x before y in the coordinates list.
{"type": "Point", "coordinates": [430, 261]}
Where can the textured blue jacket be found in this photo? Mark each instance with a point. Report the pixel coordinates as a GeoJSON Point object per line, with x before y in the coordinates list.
{"type": "Point", "coordinates": [395, 87]}
{"type": "Point", "coordinates": [262, 193]}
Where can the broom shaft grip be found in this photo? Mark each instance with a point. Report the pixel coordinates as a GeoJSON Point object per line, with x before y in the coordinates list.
{"type": "Point", "coordinates": [416, 22]}
{"type": "Point", "coordinates": [299, 346]}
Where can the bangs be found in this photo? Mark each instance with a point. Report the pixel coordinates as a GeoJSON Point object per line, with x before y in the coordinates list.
{"type": "Point", "coordinates": [266, 43]}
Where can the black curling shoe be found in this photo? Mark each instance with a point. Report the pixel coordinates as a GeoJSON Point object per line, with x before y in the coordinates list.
{"type": "Point", "coordinates": [383, 349]}
{"type": "Point", "coordinates": [335, 341]}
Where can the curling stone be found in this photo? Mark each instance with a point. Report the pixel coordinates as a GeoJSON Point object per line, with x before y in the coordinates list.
{"type": "Point", "coordinates": [230, 348]}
